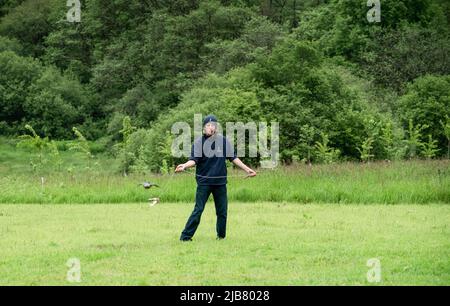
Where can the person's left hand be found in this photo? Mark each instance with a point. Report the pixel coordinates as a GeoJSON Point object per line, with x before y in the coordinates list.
{"type": "Point", "coordinates": [251, 173]}
{"type": "Point", "coordinates": [180, 168]}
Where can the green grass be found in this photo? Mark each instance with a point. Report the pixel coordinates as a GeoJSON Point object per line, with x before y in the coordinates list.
{"type": "Point", "coordinates": [16, 161]}
{"type": "Point", "coordinates": [275, 235]}
{"type": "Point", "coordinates": [409, 182]}
{"type": "Point", "coordinates": [416, 182]}
{"type": "Point", "coordinates": [267, 244]}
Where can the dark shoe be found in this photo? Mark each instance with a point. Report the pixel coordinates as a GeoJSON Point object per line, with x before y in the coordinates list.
{"type": "Point", "coordinates": [186, 239]}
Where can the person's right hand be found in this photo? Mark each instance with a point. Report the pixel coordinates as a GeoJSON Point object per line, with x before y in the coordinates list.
{"type": "Point", "coordinates": [180, 168]}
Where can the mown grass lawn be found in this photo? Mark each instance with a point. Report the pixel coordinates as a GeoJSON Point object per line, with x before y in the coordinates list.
{"type": "Point", "coordinates": [267, 244]}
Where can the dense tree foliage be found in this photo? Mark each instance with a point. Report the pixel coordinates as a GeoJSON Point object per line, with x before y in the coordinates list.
{"type": "Point", "coordinates": [340, 86]}
{"type": "Point", "coordinates": [427, 103]}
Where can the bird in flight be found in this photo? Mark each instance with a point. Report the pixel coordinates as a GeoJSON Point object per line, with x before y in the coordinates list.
{"type": "Point", "coordinates": [148, 185]}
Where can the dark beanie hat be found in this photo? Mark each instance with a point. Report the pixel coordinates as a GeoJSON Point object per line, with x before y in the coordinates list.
{"type": "Point", "coordinates": [209, 118]}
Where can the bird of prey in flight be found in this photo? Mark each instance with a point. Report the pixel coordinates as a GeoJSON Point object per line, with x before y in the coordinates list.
{"type": "Point", "coordinates": [148, 185]}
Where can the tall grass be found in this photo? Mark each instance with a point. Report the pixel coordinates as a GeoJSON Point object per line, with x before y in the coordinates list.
{"type": "Point", "coordinates": [419, 182]}
{"type": "Point", "coordinates": [416, 181]}
{"type": "Point", "coordinates": [16, 161]}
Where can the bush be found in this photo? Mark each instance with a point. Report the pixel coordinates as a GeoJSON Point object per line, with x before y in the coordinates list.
{"type": "Point", "coordinates": [402, 55]}
{"type": "Point", "coordinates": [30, 22]}
{"type": "Point", "coordinates": [427, 103]}
{"type": "Point", "coordinates": [10, 44]}
{"type": "Point", "coordinates": [290, 61]}
{"type": "Point", "coordinates": [17, 74]}
{"type": "Point", "coordinates": [51, 102]}
{"type": "Point", "coordinates": [290, 87]}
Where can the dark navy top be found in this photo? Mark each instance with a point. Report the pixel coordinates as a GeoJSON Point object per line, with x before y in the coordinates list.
{"type": "Point", "coordinates": [210, 154]}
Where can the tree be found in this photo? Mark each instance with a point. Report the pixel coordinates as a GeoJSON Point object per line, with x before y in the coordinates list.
{"type": "Point", "coordinates": [414, 138]}
{"type": "Point", "coordinates": [430, 148]}
{"type": "Point", "coordinates": [341, 28]}
{"type": "Point", "coordinates": [400, 56]}
{"type": "Point", "coordinates": [10, 44]}
{"type": "Point", "coordinates": [81, 145]}
{"type": "Point", "coordinates": [446, 128]}
{"type": "Point", "coordinates": [41, 96]}
{"type": "Point", "coordinates": [71, 48]}
{"type": "Point", "coordinates": [8, 5]}
{"type": "Point", "coordinates": [392, 142]}
{"type": "Point", "coordinates": [325, 153]}
{"type": "Point", "coordinates": [55, 104]}
{"type": "Point", "coordinates": [35, 143]}
{"type": "Point", "coordinates": [54, 151]}
{"type": "Point", "coordinates": [307, 137]}
{"type": "Point", "coordinates": [427, 103]}
{"type": "Point", "coordinates": [259, 37]}
{"type": "Point", "coordinates": [366, 150]}
{"type": "Point", "coordinates": [290, 61]}
{"type": "Point", "coordinates": [17, 74]}
{"type": "Point", "coordinates": [30, 22]}
{"type": "Point", "coordinates": [140, 104]}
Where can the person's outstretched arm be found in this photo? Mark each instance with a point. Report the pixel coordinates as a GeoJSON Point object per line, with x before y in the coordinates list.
{"type": "Point", "coordinates": [240, 164]}
{"type": "Point", "coordinates": [186, 165]}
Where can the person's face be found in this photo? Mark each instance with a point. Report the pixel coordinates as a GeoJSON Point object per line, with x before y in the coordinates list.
{"type": "Point", "coordinates": [210, 128]}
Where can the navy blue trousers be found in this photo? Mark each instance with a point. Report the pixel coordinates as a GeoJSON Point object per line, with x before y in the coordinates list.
{"type": "Point", "coordinates": [201, 197]}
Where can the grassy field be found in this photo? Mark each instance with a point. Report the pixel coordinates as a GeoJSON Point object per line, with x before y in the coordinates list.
{"type": "Point", "coordinates": [408, 182]}
{"type": "Point", "coordinates": [297, 225]}
{"type": "Point", "coordinates": [267, 244]}
{"type": "Point", "coordinates": [416, 182]}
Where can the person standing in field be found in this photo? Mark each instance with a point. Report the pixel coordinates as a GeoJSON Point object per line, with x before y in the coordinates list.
{"type": "Point", "coordinates": [209, 154]}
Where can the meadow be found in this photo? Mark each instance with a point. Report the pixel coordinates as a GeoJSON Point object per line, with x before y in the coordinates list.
{"type": "Point", "coordinates": [386, 183]}
{"type": "Point", "coordinates": [267, 244]}
{"type": "Point", "coordinates": [94, 97]}
{"type": "Point", "coordinates": [297, 225]}
{"type": "Point", "coordinates": [408, 182]}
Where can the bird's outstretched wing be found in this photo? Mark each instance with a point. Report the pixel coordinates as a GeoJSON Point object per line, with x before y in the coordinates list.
{"type": "Point", "coordinates": [148, 185]}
